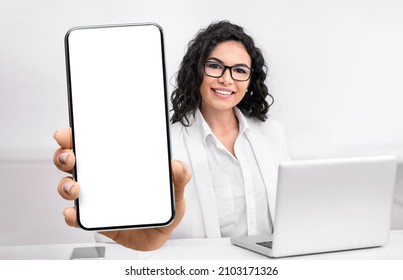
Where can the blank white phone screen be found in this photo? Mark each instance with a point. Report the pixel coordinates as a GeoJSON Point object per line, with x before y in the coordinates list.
{"type": "Point", "coordinates": [119, 118]}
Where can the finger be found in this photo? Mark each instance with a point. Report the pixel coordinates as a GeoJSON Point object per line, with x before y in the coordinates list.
{"type": "Point", "coordinates": [68, 188]}
{"type": "Point", "coordinates": [64, 159]}
{"type": "Point", "coordinates": [181, 176]}
{"type": "Point", "coordinates": [63, 137]}
{"type": "Point", "coordinates": [70, 216]}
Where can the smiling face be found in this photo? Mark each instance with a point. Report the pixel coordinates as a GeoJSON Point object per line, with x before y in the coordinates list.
{"type": "Point", "coordinates": [224, 93]}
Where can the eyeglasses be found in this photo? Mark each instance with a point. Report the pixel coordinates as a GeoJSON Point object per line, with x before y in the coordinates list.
{"type": "Point", "coordinates": [216, 70]}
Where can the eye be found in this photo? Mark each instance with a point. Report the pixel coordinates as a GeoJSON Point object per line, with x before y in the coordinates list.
{"type": "Point", "coordinates": [214, 65]}
{"type": "Point", "coordinates": [241, 70]}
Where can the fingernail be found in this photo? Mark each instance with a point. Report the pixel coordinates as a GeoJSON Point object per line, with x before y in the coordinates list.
{"type": "Point", "coordinates": [63, 158]}
{"type": "Point", "coordinates": [183, 166]}
{"type": "Point", "coordinates": [54, 134]}
{"type": "Point", "coordinates": [67, 187]}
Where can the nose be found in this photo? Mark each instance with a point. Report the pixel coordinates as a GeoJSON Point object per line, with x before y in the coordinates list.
{"type": "Point", "coordinates": [226, 77]}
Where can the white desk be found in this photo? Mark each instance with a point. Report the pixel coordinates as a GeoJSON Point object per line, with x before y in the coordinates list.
{"type": "Point", "coordinates": [195, 249]}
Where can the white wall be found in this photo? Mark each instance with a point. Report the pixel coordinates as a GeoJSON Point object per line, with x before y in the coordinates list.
{"type": "Point", "coordinates": [335, 72]}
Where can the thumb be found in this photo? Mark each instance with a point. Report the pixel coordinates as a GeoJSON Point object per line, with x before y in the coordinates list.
{"type": "Point", "coordinates": [181, 176]}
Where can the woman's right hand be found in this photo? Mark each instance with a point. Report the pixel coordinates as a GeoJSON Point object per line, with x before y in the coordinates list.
{"type": "Point", "coordinates": [139, 239]}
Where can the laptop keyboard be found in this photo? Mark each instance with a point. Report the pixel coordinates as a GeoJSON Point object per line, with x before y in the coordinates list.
{"type": "Point", "coordinates": [267, 244]}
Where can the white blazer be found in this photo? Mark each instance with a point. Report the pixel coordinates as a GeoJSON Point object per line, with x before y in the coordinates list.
{"type": "Point", "coordinates": [201, 220]}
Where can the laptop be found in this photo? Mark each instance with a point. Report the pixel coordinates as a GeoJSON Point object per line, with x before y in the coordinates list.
{"type": "Point", "coordinates": [326, 205]}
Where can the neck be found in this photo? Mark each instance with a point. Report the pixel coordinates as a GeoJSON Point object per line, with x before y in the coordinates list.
{"type": "Point", "coordinates": [220, 119]}
{"type": "Point", "coordinates": [224, 125]}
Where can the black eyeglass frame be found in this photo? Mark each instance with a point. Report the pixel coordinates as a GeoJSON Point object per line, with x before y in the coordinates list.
{"type": "Point", "coordinates": [225, 68]}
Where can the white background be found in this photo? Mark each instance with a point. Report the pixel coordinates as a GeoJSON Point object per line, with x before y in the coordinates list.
{"type": "Point", "coordinates": [335, 73]}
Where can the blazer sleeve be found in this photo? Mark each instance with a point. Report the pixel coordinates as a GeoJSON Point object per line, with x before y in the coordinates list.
{"type": "Point", "coordinates": [285, 154]}
{"type": "Point", "coordinates": [275, 131]}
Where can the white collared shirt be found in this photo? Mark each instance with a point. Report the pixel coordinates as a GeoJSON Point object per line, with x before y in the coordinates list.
{"type": "Point", "coordinates": [239, 189]}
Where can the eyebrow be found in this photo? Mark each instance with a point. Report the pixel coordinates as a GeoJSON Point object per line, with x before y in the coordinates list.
{"type": "Point", "coordinates": [220, 61]}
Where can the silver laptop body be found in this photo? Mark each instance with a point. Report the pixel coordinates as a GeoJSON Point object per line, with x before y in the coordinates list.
{"type": "Point", "coordinates": [326, 205]}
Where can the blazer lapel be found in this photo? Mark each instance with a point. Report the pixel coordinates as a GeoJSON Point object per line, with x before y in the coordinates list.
{"type": "Point", "coordinates": [202, 178]}
{"type": "Point", "coordinates": [262, 148]}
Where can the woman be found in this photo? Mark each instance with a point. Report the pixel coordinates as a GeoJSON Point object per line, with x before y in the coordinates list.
{"type": "Point", "coordinates": [221, 131]}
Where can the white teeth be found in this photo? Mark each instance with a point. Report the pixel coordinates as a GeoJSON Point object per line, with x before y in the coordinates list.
{"type": "Point", "coordinates": [223, 92]}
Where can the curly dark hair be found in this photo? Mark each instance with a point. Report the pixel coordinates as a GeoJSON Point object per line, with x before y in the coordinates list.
{"type": "Point", "coordinates": [186, 95]}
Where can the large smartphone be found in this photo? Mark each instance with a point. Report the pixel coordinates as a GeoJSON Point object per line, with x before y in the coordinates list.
{"type": "Point", "coordinates": [118, 110]}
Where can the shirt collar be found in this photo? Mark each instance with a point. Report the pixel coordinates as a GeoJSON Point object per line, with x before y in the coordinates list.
{"type": "Point", "coordinates": [243, 122]}
{"type": "Point", "coordinates": [205, 129]}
